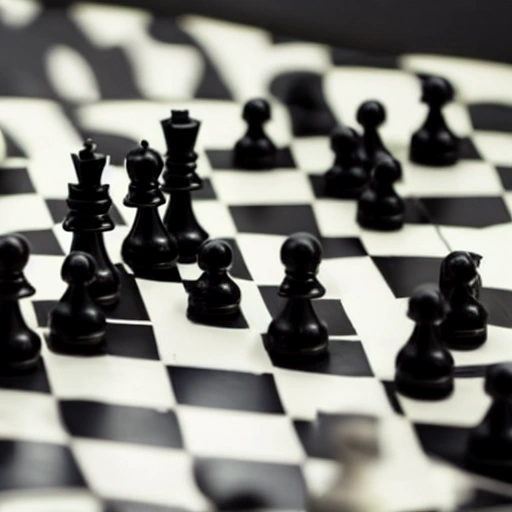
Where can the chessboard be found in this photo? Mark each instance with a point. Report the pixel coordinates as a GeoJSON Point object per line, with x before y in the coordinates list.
{"type": "Point", "coordinates": [125, 431]}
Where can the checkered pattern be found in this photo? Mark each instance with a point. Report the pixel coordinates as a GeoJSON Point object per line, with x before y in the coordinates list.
{"type": "Point", "coordinates": [124, 431]}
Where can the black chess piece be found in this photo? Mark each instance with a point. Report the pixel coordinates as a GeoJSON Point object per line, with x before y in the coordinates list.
{"type": "Point", "coordinates": [347, 178]}
{"type": "Point", "coordinates": [77, 324]}
{"type": "Point", "coordinates": [20, 346]}
{"type": "Point", "coordinates": [255, 150]}
{"type": "Point", "coordinates": [89, 203]}
{"type": "Point", "coordinates": [434, 143]}
{"type": "Point", "coordinates": [297, 332]}
{"type": "Point", "coordinates": [310, 114]}
{"type": "Point", "coordinates": [449, 267]}
{"type": "Point", "coordinates": [371, 115]}
{"type": "Point", "coordinates": [148, 249]}
{"type": "Point", "coordinates": [424, 367]}
{"type": "Point", "coordinates": [465, 326]}
{"type": "Point", "coordinates": [379, 206]}
{"type": "Point", "coordinates": [489, 448]}
{"type": "Point", "coordinates": [214, 295]}
{"type": "Point", "coordinates": [180, 180]}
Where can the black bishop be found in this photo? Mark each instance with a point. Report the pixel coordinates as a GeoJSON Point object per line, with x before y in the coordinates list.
{"type": "Point", "coordinates": [20, 346]}
{"type": "Point", "coordinates": [434, 143]}
{"type": "Point", "coordinates": [297, 332]}
{"type": "Point", "coordinates": [424, 367]}
{"type": "Point", "coordinates": [88, 217]}
{"type": "Point", "coordinates": [77, 324]}
{"type": "Point", "coordinates": [148, 249]}
{"type": "Point", "coordinates": [347, 177]}
{"type": "Point", "coordinates": [180, 180]}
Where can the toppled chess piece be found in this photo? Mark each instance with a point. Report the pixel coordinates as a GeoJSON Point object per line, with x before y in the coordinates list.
{"type": "Point", "coordinates": [148, 249]}
{"type": "Point", "coordinates": [347, 178]}
{"type": "Point", "coordinates": [297, 332]}
{"type": "Point", "coordinates": [424, 367]}
{"type": "Point", "coordinates": [88, 217]}
{"type": "Point", "coordinates": [77, 324]}
{"type": "Point", "coordinates": [20, 346]}
{"type": "Point", "coordinates": [489, 449]}
{"type": "Point", "coordinates": [434, 144]}
{"type": "Point", "coordinates": [379, 207]}
{"type": "Point", "coordinates": [465, 326]}
{"type": "Point", "coordinates": [214, 295]}
{"type": "Point", "coordinates": [255, 150]}
{"type": "Point", "coordinates": [180, 180]}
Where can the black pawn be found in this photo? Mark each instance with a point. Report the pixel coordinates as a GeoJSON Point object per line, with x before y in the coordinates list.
{"type": "Point", "coordinates": [255, 150]}
{"type": "Point", "coordinates": [379, 206]}
{"type": "Point", "coordinates": [77, 324]}
{"type": "Point", "coordinates": [148, 249]}
{"type": "Point", "coordinates": [347, 178]}
{"type": "Point", "coordinates": [297, 332]}
{"type": "Point", "coordinates": [88, 217]}
{"type": "Point", "coordinates": [214, 295]}
{"type": "Point", "coordinates": [489, 449]}
{"type": "Point", "coordinates": [20, 347]}
{"type": "Point", "coordinates": [180, 180]}
{"type": "Point", "coordinates": [371, 115]}
{"type": "Point", "coordinates": [465, 326]}
{"type": "Point", "coordinates": [434, 143]}
{"type": "Point", "coordinates": [424, 367]}
{"type": "Point", "coordinates": [449, 266]}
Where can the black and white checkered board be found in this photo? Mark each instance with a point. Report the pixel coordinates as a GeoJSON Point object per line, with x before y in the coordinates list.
{"type": "Point", "coordinates": [123, 431]}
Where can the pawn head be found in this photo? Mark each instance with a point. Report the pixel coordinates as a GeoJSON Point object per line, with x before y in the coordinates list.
{"type": "Point", "coordinates": [427, 305]}
{"type": "Point", "coordinates": [344, 140]}
{"type": "Point", "coordinates": [301, 252]}
{"type": "Point", "coordinates": [387, 170]}
{"type": "Point", "coordinates": [498, 381]}
{"type": "Point", "coordinates": [14, 253]}
{"type": "Point", "coordinates": [462, 266]}
{"type": "Point", "coordinates": [371, 114]}
{"type": "Point", "coordinates": [215, 255]}
{"type": "Point", "coordinates": [256, 111]}
{"type": "Point", "coordinates": [78, 268]}
{"type": "Point", "coordinates": [437, 91]}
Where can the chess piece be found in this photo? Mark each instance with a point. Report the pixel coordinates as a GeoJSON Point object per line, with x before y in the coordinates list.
{"type": "Point", "coordinates": [489, 448]}
{"type": "Point", "coordinates": [449, 266]}
{"type": "Point", "coordinates": [180, 180]}
{"type": "Point", "coordinates": [379, 206]}
{"type": "Point", "coordinates": [347, 178]}
{"type": "Point", "coordinates": [424, 367]}
{"type": "Point", "coordinates": [370, 115]}
{"type": "Point", "coordinates": [465, 326]}
{"type": "Point", "coordinates": [359, 488]}
{"type": "Point", "coordinates": [434, 143]}
{"type": "Point", "coordinates": [148, 249]}
{"type": "Point", "coordinates": [296, 332]}
{"type": "Point", "coordinates": [309, 112]}
{"type": "Point", "coordinates": [89, 203]}
{"type": "Point", "coordinates": [20, 346]}
{"type": "Point", "coordinates": [255, 150]}
{"type": "Point", "coordinates": [214, 294]}
{"type": "Point", "coordinates": [77, 324]}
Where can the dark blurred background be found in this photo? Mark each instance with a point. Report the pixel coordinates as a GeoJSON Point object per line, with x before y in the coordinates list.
{"type": "Point", "coordinates": [472, 28]}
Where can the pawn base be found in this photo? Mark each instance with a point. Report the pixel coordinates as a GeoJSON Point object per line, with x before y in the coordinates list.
{"type": "Point", "coordinates": [464, 340]}
{"type": "Point", "coordinates": [284, 353]}
{"type": "Point", "coordinates": [431, 156]}
{"type": "Point", "coordinates": [152, 271]}
{"type": "Point", "coordinates": [20, 367]}
{"type": "Point", "coordinates": [424, 390]}
{"type": "Point", "coordinates": [203, 313]}
{"type": "Point", "coordinates": [377, 223]}
{"type": "Point", "coordinates": [85, 345]}
{"type": "Point", "coordinates": [107, 301]}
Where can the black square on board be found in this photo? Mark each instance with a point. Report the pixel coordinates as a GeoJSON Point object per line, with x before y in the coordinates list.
{"type": "Point", "coordinates": [471, 212]}
{"type": "Point", "coordinates": [15, 180]}
{"type": "Point", "coordinates": [468, 150]}
{"type": "Point", "coordinates": [34, 465]}
{"type": "Point", "coordinates": [490, 116]}
{"type": "Point", "coordinates": [121, 423]}
{"type": "Point", "coordinates": [223, 159]}
{"type": "Point", "coordinates": [43, 241]}
{"type": "Point", "coordinates": [131, 340]}
{"type": "Point", "coordinates": [36, 380]}
{"type": "Point", "coordinates": [505, 174]}
{"type": "Point", "coordinates": [223, 389]}
{"type": "Point", "coordinates": [498, 304]}
{"type": "Point", "coordinates": [136, 506]}
{"type": "Point", "coordinates": [266, 485]}
{"type": "Point", "coordinates": [342, 247]}
{"type": "Point", "coordinates": [404, 274]}
{"type": "Point", "coordinates": [273, 219]}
